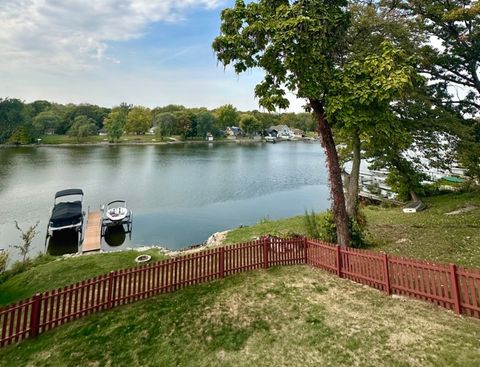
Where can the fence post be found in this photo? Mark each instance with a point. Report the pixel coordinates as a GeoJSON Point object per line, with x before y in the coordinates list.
{"type": "Point", "coordinates": [265, 252]}
{"type": "Point", "coordinates": [386, 274]}
{"type": "Point", "coordinates": [221, 262]}
{"type": "Point", "coordinates": [339, 262]}
{"type": "Point", "coordinates": [35, 315]}
{"type": "Point", "coordinates": [111, 290]}
{"type": "Point", "coordinates": [454, 286]}
{"type": "Point", "coordinates": [305, 247]}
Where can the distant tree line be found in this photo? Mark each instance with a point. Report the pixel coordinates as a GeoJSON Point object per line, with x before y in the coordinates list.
{"type": "Point", "coordinates": [23, 123]}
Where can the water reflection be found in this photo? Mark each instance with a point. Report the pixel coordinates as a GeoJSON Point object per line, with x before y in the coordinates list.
{"type": "Point", "coordinates": [115, 236]}
{"type": "Point", "coordinates": [63, 242]}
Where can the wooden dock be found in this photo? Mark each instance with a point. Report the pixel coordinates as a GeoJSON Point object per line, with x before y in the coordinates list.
{"type": "Point", "coordinates": [93, 239]}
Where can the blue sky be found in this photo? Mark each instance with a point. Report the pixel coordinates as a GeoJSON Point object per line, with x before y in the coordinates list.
{"type": "Point", "coordinates": [143, 52]}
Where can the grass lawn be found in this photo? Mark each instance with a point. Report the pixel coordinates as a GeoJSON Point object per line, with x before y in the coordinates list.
{"type": "Point", "coordinates": [65, 139]}
{"type": "Point", "coordinates": [290, 316]}
{"type": "Point", "coordinates": [430, 235]}
{"type": "Point", "coordinates": [47, 272]}
{"type": "Point", "coordinates": [147, 138]}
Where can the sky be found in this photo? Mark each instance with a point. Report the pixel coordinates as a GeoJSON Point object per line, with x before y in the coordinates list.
{"type": "Point", "coordinates": [105, 52]}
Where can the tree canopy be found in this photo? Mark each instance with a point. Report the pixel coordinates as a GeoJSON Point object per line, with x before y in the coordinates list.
{"type": "Point", "coordinates": [139, 120]}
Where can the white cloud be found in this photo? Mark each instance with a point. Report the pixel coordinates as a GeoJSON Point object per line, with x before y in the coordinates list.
{"type": "Point", "coordinates": [74, 34]}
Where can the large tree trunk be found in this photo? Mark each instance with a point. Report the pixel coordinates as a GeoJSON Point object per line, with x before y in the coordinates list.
{"type": "Point", "coordinates": [334, 173]}
{"type": "Point", "coordinates": [352, 185]}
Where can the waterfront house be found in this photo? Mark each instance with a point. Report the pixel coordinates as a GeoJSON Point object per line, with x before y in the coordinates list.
{"type": "Point", "coordinates": [280, 131]}
{"type": "Point", "coordinates": [233, 131]}
{"type": "Point", "coordinates": [298, 133]}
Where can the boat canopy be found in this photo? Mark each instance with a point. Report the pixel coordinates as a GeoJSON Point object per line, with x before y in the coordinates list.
{"type": "Point", "coordinates": [65, 214]}
{"type": "Point", "coordinates": [68, 192]}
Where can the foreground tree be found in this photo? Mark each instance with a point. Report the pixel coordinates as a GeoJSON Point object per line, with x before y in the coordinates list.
{"type": "Point", "coordinates": [298, 45]}
{"type": "Point", "coordinates": [361, 106]}
{"type": "Point", "coordinates": [451, 62]}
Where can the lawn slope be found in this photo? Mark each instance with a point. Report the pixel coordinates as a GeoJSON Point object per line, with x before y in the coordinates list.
{"type": "Point", "coordinates": [290, 316]}
{"type": "Point", "coordinates": [430, 235]}
{"type": "Point", "coordinates": [46, 272]}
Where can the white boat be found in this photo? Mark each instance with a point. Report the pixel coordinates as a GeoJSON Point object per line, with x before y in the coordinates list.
{"type": "Point", "coordinates": [117, 212]}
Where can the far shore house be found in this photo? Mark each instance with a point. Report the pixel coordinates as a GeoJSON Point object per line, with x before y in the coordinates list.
{"type": "Point", "coordinates": [298, 133]}
{"type": "Point", "coordinates": [280, 131]}
{"type": "Point", "coordinates": [233, 131]}
{"type": "Point", "coordinates": [209, 137]}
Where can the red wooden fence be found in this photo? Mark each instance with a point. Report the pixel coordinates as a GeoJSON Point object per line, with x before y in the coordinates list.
{"type": "Point", "coordinates": [446, 285]}
{"type": "Point", "coordinates": [449, 286]}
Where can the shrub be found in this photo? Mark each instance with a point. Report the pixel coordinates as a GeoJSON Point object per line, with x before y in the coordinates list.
{"type": "Point", "coordinates": [3, 260]}
{"type": "Point", "coordinates": [323, 227]}
{"type": "Point", "coordinates": [27, 238]}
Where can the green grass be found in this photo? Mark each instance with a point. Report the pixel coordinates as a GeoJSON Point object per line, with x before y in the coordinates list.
{"type": "Point", "coordinates": [429, 235]}
{"type": "Point", "coordinates": [47, 272]}
{"type": "Point", "coordinates": [281, 227]}
{"type": "Point", "coordinates": [295, 316]}
{"type": "Point", "coordinates": [65, 139]}
{"type": "Point", "coordinates": [125, 139]}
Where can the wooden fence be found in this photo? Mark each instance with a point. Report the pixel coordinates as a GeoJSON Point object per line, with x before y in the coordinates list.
{"type": "Point", "coordinates": [446, 285]}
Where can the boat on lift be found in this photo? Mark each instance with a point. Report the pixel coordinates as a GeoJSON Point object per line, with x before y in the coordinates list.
{"type": "Point", "coordinates": [67, 212]}
{"type": "Point", "coordinates": [116, 213]}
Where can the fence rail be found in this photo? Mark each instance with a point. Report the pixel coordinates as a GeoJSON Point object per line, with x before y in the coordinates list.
{"type": "Point", "coordinates": [449, 286]}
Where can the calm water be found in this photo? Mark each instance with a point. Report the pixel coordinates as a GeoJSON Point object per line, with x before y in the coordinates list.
{"type": "Point", "coordinates": [179, 194]}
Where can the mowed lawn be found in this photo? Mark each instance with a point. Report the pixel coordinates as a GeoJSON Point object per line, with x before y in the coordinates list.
{"type": "Point", "coordinates": [47, 272]}
{"type": "Point", "coordinates": [433, 234]}
{"type": "Point", "coordinates": [429, 235]}
{"type": "Point", "coordinates": [289, 316]}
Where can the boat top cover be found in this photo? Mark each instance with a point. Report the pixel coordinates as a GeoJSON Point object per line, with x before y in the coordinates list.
{"type": "Point", "coordinates": [66, 213]}
{"type": "Point", "coordinates": [68, 192]}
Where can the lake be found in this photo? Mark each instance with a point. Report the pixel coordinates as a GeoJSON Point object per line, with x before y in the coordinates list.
{"type": "Point", "coordinates": [180, 194]}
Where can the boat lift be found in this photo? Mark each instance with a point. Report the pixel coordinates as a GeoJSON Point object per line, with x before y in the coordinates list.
{"type": "Point", "coordinates": [116, 213]}
{"type": "Point", "coordinates": [66, 213]}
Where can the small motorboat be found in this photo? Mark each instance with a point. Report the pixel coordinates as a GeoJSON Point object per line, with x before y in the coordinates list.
{"type": "Point", "coordinates": [116, 214]}
{"type": "Point", "coordinates": [117, 211]}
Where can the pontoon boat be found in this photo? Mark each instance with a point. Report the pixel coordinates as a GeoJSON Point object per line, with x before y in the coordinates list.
{"type": "Point", "coordinates": [67, 212]}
